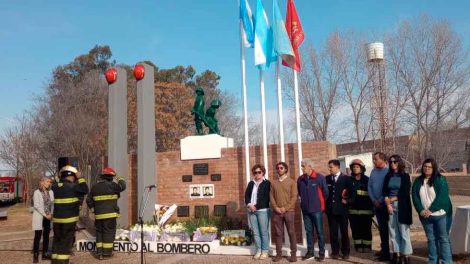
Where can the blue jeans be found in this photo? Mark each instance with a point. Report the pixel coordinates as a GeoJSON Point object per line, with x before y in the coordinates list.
{"type": "Point", "coordinates": [259, 223]}
{"type": "Point", "coordinates": [435, 228]}
{"type": "Point", "coordinates": [399, 233]}
{"type": "Point", "coordinates": [312, 220]}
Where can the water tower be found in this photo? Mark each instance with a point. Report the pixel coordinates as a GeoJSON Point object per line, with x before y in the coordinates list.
{"type": "Point", "coordinates": [376, 65]}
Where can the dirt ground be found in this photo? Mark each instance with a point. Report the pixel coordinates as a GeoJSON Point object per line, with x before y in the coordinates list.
{"type": "Point", "coordinates": [16, 243]}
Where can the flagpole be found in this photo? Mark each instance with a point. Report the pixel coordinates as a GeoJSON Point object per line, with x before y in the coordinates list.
{"type": "Point", "coordinates": [263, 120]}
{"type": "Point", "coordinates": [297, 119]}
{"type": "Point", "coordinates": [279, 106]}
{"type": "Point", "coordinates": [245, 110]}
{"type": "Point", "coordinates": [299, 140]}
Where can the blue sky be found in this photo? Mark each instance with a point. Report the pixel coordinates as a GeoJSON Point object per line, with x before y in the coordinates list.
{"type": "Point", "coordinates": [37, 36]}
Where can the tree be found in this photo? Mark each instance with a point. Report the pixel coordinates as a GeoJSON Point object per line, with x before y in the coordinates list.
{"type": "Point", "coordinates": [431, 65]}
{"type": "Point", "coordinates": [356, 85]}
{"type": "Point", "coordinates": [319, 83]}
{"type": "Point", "coordinates": [19, 150]}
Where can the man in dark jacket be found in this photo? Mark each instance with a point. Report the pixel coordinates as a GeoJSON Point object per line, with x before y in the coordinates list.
{"type": "Point", "coordinates": [339, 186]}
{"type": "Point", "coordinates": [103, 201]}
{"type": "Point", "coordinates": [313, 192]}
{"type": "Point", "coordinates": [67, 193]}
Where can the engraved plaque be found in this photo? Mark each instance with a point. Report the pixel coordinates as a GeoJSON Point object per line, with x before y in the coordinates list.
{"type": "Point", "coordinates": [187, 178]}
{"type": "Point", "coordinates": [216, 177]}
{"type": "Point", "coordinates": [201, 169]}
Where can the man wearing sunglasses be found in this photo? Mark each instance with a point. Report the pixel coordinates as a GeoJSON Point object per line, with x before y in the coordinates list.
{"type": "Point", "coordinates": [283, 197]}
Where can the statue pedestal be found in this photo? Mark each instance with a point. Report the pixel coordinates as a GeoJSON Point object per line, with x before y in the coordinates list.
{"type": "Point", "coordinates": [204, 147]}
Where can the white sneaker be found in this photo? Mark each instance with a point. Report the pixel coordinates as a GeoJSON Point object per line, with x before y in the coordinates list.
{"type": "Point", "coordinates": [263, 256]}
{"type": "Point", "coordinates": [257, 255]}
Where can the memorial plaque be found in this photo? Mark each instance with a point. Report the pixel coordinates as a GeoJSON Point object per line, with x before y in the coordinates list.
{"type": "Point", "coordinates": [216, 177]}
{"type": "Point", "coordinates": [187, 178]}
{"type": "Point", "coordinates": [182, 211]}
{"type": "Point", "coordinates": [201, 169]}
{"type": "Point", "coordinates": [220, 210]}
{"type": "Point", "coordinates": [201, 211]}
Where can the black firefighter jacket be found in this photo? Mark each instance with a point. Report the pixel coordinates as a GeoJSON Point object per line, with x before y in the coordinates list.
{"type": "Point", "coordinates": [67, 200]}
{"type": "Point", "coordinates": [103, 198]}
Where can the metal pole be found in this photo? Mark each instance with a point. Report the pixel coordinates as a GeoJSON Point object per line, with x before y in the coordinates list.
{"type": "Point", "coordinates": [263, 120]}
{"type": "Point", "coordinates": [280, 112]}
{"type": "Point", "coordinates": [245, 109]}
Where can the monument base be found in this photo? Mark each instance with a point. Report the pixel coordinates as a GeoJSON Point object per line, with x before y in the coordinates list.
{"type": "Point", "coordinates": [197, 248]}
{"type": "Point", "coordinates": [204, 147]}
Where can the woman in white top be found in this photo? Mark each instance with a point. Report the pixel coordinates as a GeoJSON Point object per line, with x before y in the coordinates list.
{"type": "Point", "coordinates": [43, 199]}
{"type": "Point", "coordinates": [430, 194]}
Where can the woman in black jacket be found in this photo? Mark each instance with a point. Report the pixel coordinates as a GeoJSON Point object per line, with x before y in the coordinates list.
{"type": "Point", "coordinates": [396, 190]}
{"type": "Point", "coordinates": [257, 204]}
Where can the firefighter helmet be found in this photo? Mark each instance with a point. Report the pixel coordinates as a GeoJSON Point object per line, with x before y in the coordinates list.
{"type": "Point", "coordinates": [358, 162]}
{"type": "Point", "coordinates": [68, 171]}
{"type": "Point", "coordinates": [108, 171]}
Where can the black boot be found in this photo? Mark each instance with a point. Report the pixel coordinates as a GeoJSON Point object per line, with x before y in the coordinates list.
{"type": "Point", "coordinates": [36, 257]}
{"type": "Point", "coordinates": [46, 255]}
{"type": "Point", "coordinates": [394, 259]}
{"type": "Point", "coordinates": [406, 260]}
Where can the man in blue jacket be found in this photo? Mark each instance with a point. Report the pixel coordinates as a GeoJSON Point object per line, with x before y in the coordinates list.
{"type": "Point", "coordinates": [374, 189]}
{"type": "Point", "coordinates": [313, 193]}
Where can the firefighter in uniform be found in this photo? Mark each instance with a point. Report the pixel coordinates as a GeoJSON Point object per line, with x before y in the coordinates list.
{"type": "Point", "coordinates": [102, 200]}
{"type": "Point", "coordinates": [67, 192]}
{"type": "Point", "coordinates": [360, 210]}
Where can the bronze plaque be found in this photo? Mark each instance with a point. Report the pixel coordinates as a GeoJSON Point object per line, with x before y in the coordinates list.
{"type": "Point", "coordinates": [201, 169]}
{"type": "Point", "coordinates": [216, 177]}
{"type": "Point", "coordinates": [187, 178]}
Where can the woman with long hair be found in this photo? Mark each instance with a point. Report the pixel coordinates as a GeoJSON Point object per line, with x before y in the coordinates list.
{"type": "Point", "coordinates": [43, 199]}
{"type": "Point", "coordinates": [431, 200]}
{"type": "Point", "coordinates": [396, 190]}
{"type": "Point", "coordinates": [257, 205]}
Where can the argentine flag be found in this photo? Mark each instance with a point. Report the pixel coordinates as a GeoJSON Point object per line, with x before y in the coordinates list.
{"type": "Point", "coordinates": [264, 54]}
{"type": "Point", "coordinates": [247, 22]}
{"type": "Point", "coordinates": [282, 44]}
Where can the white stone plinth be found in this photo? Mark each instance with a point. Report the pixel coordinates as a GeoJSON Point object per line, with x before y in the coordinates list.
{"type": "Point", "coordinates": [204, 147]}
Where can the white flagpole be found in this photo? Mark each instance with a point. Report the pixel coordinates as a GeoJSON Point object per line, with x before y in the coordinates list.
{"type": "Point", "coordinates": [245, 111]}
{"type": "Point", "coordinates": [279, 106]}
{"type": "Point", "coordinates": [297, 119]}
{"type": "Point", "coordinates": [263, 120]}
{"type": "Point", "coordinates": [299, 139]}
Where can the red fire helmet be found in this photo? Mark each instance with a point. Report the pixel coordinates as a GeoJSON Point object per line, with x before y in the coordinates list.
{"type": "Point", "coordinates": [139, 72]}
{"type": "Point", "coordinates": [111, 75]}
{"type": "Point", "coordinates": [108, 171]}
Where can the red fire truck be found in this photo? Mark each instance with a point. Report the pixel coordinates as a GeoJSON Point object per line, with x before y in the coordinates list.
{"type": "Point", "coordinates": [11, 191]}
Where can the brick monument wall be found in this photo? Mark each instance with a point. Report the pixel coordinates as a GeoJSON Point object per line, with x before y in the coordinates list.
{"type": "Point", "coordinates": [229, 191]}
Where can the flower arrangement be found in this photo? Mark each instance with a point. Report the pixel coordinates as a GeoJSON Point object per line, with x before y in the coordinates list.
{"type": "Point", "coordinates": [234, 237]}
{"type": "Point", "coordinates": [175, 232]}
{"type": "Point", "coordinates": [205, 234]}
{"type": "Point", "coordinates": [151, 232]}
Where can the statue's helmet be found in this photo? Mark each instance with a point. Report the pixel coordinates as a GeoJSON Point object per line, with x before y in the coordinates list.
{"type": "Point", "coordinates": [200, 90]}
{"type": "Point", "coordinates": [216, 103]}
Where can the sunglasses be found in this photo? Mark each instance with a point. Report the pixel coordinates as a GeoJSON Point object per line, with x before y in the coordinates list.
{"type": "Point", "coordinates": [394, 161]}
{"type": "Point", "coordinates": [257, 172]}
{"type": "Point", "coordinates": [280, 168]}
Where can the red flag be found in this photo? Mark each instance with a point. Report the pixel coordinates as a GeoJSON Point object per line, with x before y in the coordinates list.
{"type": "Point", "coordinates": [295, 33]}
